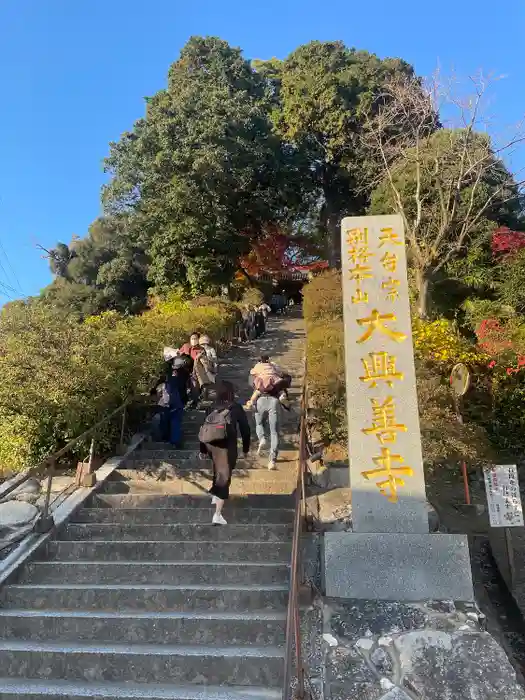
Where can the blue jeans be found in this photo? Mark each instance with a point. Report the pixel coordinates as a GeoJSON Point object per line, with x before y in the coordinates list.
{"type": "Point", "coordinates": [268, 405]}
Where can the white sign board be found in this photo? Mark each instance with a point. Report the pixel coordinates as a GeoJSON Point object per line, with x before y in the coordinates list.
{"type": "Point", "coordinates": [503, 496]}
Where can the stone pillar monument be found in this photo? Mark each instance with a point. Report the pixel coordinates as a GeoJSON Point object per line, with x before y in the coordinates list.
{"type": "Point", "coordinates": [390, 553]}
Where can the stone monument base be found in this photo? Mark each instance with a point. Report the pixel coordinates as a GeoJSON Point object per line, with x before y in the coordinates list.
{"type": "Point", "coordinates": [397, 566]}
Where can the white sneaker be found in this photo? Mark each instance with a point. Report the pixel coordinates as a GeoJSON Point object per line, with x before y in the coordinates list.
{"type": "Point", "coordinates": [262, 446]}
{"type": "Point", "coordinates": [213, 500]}
{"type": "Point", "coordinates": [218, 519]}
{"type": "Point", "coordinates": [272, 465]}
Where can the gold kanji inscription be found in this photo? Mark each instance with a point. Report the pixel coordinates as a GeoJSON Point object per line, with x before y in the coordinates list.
{"type": "Point", "coordinates": [360, 273]}
{"type": "Point", "coordinates": [359, 297]}
{"type": "Point", "coordinates": [388, 486]}
{"type": "Point", "coordinates": [380, 367]}
{"type": "Point", "coordinates": [357, 236]}
{"type": "Point", "coordinates": [391, 286]}
{"type": "Point", "coordinates": [389, 262]}
{"type": "Point", "coordinates": [384, 425]}
{"type": "Point", "coordinates": [360, 255]}
{"type": "Point", "coordinates": [388, 235]}
{"type": "Point", "coordinates": [376, 322]}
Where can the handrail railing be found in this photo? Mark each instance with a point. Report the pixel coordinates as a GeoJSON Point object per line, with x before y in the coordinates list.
{"type": "Point", "coordinates": [293, 620]}
{"type": "Point", "coordinates": [45, 521]}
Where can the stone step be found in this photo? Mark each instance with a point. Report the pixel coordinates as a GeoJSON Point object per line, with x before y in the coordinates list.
{"type": "Point", "coordinates": [161, 468]}
{"type": "Point", "coordinates": [20, 689]}
{"type": "Point", "coordinates": [143, 663]}
{"type": "Point", "coordinates": [240, 376]}
{"type": "Point", "coordinates": [181, 456]}
{"type": "Point", "coordinates": [193, 416]}
{"type": "Point", "coordinates": [221, 628]}
{"type": "Point", "coordinates": [170, 551]}
{"type": "Point", "coordinates": [160, 501]}
{"type": "Point", "coordinates": [128, 597]}
{"type": "Point", "coordinates": [153, 572]}
{"type": "Point", "coordinates": [251, 482]}
{"type": "Point", "coordinates": [146, 446]}
{"type": "Point", "coordinates": [190, 443]}
{"type": "Point", "coordinates": [164, 516]}
{"type": "Point", "coordinates": [187, 532]}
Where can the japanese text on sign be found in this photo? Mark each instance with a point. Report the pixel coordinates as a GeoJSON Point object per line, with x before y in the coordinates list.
{"type": "Point", "coordinates": [503, 496]}
{"type": "Point", "coordinates": [386, 466]}
{"type": "Point", "coordinates": [380, 365]}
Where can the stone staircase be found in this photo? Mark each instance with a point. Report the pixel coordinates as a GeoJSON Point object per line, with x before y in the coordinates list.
{"type": "Point", "coordinates": [139, 596]}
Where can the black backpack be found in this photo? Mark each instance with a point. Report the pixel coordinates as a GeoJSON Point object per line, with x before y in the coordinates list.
{"type": "Point", "coordinates": [217, 426]}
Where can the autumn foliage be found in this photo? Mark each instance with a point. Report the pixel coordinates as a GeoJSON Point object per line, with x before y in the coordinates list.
{"type": "Point", "coordinates": [273, 250]}
{"type": "Point", "coordinates": [506, 242]}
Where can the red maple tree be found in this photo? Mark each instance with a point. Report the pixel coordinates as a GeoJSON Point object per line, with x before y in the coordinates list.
{"type": "Point", "coordinates": [273, 251]}
{"type": "Point", "coordinates": [506, 242]}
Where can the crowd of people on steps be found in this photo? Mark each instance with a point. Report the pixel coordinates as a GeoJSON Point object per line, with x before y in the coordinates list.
{"type": "Point", "coordinates": [191, 378]}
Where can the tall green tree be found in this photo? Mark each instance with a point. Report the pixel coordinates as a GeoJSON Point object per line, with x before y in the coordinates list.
{"type": "Point", "coordinates": [107, 269]}
{"type": "Point", "coordinates": [323, 94]}
{"type": "Point", "coordinates": [203, 170]}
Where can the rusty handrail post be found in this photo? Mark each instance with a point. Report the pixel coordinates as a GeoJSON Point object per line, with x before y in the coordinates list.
{"type": "Point", "coordinates": [89, 478]}
{"type": "Point", "coordinates": [50, 474]}
{"type": "Point", "coordinates": [91, 456]}
{"type": "Point", "coordinates": [123, 426]}
{"type": "Point", "coordinates": [45, 522]}
{"type": "Point", "coordinates": [293, 620]}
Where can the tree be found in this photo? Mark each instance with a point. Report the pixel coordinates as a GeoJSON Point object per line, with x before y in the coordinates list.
{"type": "Point", "coordinates": [506, 242]}
{"type": "Point", "coordinates": [276, 250]}
{"type": "Point", "coordinates": [105, 270]}
{"type": "Point", "coordinates": [451, 187]}
{"type": "Point", "coordinates": [59, 259]}
{"type": "Point", "coordinates": [72, 299]}
{"type": "Point", "coordinates": [324, 93]}
{"type": "Point", "coordinates": [202, 168]}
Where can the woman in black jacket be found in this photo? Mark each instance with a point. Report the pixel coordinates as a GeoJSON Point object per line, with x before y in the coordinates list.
{"type": "Point", "coordinates": [224, 452]}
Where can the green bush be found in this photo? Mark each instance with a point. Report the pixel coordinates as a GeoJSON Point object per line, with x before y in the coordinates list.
{"type": "Point", "coordinates": [323, 312]}
{"type": "Point", "coordinates": [326, 378]}
{"type": "Point", "coordinates": [60, 377]}
{"type": "Point", "coordinates": [323, 298]}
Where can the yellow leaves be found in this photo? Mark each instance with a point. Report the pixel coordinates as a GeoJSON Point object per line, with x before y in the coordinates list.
{"type": "Point", "coordinates": [62, 377]}
{"type": "Point", "coordinates": [438, 342]}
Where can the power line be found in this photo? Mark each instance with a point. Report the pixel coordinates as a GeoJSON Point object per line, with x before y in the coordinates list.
{"type": "Point", "coordinates": [7, 280]}
{"type": "Point", "coordinates": [7, 276]}
{"type": "Point", "coordinates": [5, 293]}
{"type": "Point", "coordinates": [17, 281]}
{"type": "Point", "coordinates": [8, 287]}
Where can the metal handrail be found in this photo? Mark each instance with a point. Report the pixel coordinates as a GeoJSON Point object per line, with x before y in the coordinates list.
{"type": "Point", "coordinates": [45, 522]}
{"type": "Point", "coordinates": [293, 621]}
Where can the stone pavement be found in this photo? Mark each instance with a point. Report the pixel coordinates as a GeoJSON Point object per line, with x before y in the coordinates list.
{"type": "Point", "coordinates": [373, 650]}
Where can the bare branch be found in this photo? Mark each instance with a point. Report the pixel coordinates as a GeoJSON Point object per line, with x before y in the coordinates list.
{"type": "Point", "coordinates": [456, 176]}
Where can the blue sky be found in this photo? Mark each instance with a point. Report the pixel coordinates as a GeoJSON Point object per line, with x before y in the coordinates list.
{"type": "Point", "coordinates": [73, 75]}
